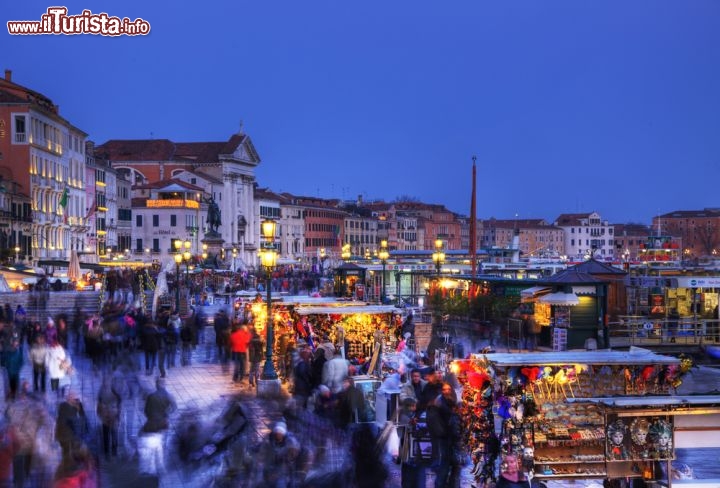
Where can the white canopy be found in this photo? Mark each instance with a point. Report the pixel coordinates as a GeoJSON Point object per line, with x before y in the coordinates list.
{"type": "Point", "coordinates": [560, 298]}
{"type": "Point", "coordinates": [636, 355]}
{"type": "Point", "coordinates": [370, 309]}
{"type": "Point", "coordinates": [530, 294]}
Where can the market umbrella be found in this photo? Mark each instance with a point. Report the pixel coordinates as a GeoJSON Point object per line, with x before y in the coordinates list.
{"type": "Point", "coordinates": [74, 272]}
{"type": "Point", "coordinates": [560, 298]}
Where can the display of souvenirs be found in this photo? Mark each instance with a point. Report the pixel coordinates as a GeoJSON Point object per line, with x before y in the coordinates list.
{"type": "Point", "coordinates": [639, 430]}
{"type": "Point", "coordinates": [617, 448]}
{"type": "Point", "coordinates": [660, 434]}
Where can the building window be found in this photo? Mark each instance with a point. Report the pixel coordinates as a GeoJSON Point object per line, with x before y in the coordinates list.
{"type": "Point", "coordinates": [138, 221]}
{"type": "Point", "coordinates": [156, 220]}
{"type": "Point", "coordinates": [20, 129]}
{"type": "Point", "coordinates": [156, 245]}
{"type": "Point", "coordinates": [173, 221]}
{"type": "Point", "coordinates": [139, 245]}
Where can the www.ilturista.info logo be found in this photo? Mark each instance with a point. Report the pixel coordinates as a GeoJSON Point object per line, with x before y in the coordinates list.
{"type": "Point", "coordinates": [57, 21]}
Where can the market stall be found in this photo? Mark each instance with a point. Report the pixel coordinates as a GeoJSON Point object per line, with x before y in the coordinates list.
{"type": "Point", "coordinates": [353, 325]}
{"type": "Point", "coordinates": [543, 408]}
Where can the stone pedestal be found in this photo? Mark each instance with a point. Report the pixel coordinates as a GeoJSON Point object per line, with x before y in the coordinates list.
{"type": "Point", "coordinates": [268, 388]}
{"type": "Point", "coordinates": [214, 243]}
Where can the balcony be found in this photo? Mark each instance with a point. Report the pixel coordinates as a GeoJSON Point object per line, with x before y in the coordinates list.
{"type": "Point", "coordinates": [20, 137]}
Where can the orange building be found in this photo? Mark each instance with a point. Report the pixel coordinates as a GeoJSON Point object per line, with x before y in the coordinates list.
{"type": "Point", "coordinates": [699, 231]}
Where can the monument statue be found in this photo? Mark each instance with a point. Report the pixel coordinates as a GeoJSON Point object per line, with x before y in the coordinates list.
{"type": "Point", "coordinates": [213, 216]}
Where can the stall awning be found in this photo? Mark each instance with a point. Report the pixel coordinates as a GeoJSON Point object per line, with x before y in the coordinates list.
{"type": "Point", "coordinates": [635, 356]}
{"type": "Point", "coordinates": [662, 405]}
{"type": "Point", "coordinates": [368, 309]}
{"type": "Point", "coordinates": [560, 298]}
{"type": "Point", "coordinates": [529, 294]}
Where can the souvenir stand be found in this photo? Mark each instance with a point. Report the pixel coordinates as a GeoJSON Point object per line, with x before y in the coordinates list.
{"type": "Point", "coordinates": [365, 333]}
{"type": "Point", "coordinates": [543, 408]}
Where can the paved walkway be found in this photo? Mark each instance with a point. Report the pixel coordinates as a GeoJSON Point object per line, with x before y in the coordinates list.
{"type": "Point", "coordinates": [204, 388]}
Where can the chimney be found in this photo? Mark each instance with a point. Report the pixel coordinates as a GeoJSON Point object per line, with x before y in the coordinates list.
{"type": "Point", "coordinates": [8, 75]}
{"type": "Point", "coordinates": [359, 200]}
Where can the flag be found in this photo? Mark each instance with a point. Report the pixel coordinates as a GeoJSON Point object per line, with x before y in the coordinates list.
{"type": "Point", "coordinates": [63, 204]}
{"type": "Point", "coordinates": [64, 198]}
{"type": "Point", "coordinates": [91, 210]}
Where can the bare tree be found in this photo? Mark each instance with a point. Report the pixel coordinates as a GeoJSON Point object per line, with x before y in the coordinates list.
{"type": "Point", "coordinates": [708, 237]}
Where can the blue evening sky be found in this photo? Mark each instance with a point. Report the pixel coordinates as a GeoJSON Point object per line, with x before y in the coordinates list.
{"type": "Point", "coordinates": [570, 106]}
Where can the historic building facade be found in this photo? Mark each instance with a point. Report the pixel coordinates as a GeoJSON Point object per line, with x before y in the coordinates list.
{"type": "Point", "coordinates": [43, 162]}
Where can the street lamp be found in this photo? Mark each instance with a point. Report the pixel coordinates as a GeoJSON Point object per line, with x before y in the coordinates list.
{"type": "Point", "coordinates": [234, 255]}
{"type": "Point", "coordinates": [17, 253]}
{"type": "Point", "coordinates": [186, 259]}
{"type": "Point", "coordinates": [268, 259]}
{"type": "Point", "coordinates": [346, 253]}
{"type": "Point", "coordinates": [438, 256]}
{"type": "Point", "coordinates": [383, 255]}
{"type": "Point", "coordinates": [178, 260]}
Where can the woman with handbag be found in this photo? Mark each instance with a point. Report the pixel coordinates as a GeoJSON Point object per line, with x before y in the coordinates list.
{"type": "Point", "coordinates": [58, 367]}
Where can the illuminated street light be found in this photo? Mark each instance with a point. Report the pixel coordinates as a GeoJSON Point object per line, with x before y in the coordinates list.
{"type": "Point", "coordinates": [383, 255]}
{"type": "Point", "coordinates": [268, 259]}
{"type": "Point", "coordinates": [178, 260]}
{"type": "Point", "coordinates": [438, 256]}
{"type": "Point", "coordinates": [346, 253]}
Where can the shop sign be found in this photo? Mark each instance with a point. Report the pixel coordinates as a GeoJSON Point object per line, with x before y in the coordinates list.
{"type": "Point", "coordinates": [698, 282]}
{"type": "Point", "coordinates": [405, 267]}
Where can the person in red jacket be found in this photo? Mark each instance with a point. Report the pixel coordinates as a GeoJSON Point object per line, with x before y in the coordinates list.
{"type": "Point", "coordinates": [239, 340]}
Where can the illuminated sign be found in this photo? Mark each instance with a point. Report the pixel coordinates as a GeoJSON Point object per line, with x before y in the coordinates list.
{"type": "Point", "coordinates": [173, 203]}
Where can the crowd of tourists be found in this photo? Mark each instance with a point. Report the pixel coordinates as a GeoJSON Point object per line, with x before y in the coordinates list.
{"type": "Point", "coordinates": [49, 438]}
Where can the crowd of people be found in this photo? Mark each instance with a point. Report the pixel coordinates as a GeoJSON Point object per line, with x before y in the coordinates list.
{"type": "Point", "coordinates": [320, 438]}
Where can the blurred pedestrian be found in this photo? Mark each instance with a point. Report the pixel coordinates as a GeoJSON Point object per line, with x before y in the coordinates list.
{"type": "Point", "coordinates": [159, 405]}
{"type": "Point", "coordinates": [39, 359]}
{"type": "Point", "coordinates": [12, 360]}
{"type": "Point", "coordinates": [302, 378]}
{"type": "Point", "coordinates": [58, 366]}
{"type": "Point", "coordinates": [172, 337]}
{"type": "Point", "coordinates": [239, 340]}
{"type": "Point", "coordinates": [27, 417]}
{"type": "Point", "coordinates": [186, 338]}
{"type": "Point", "coordinates": [71, 425]}
{"type": "Point", "coordinates": [255, 355]}
{"type": "Point", "coordinates": [108, 411]}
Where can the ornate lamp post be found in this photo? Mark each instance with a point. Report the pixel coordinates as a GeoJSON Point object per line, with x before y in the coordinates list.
{"type": "Point", "coordinates": [178, 260]}
{"type": "Point", "coordinates": [17, 253]}
{"type": "Point", "coordinates": [186, 256]}
{"type": "Point", "coordinates": [383, 254]}
{"type": "Point", "coordinates": [438, 256]}
{"type": "Point", "coordinates": [269, 385]}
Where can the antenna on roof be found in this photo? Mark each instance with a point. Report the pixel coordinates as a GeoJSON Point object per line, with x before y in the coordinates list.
{"type": "Point", "coordinates": [240, 129]}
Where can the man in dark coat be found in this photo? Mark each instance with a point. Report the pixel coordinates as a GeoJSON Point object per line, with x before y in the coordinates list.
{"type": "Point", "coordinates": [222, 337]}
{"type": "Point", "coordinates": [158, 407]}
{"type": "Point", "coordinates": [303, 378]}
{"type": "Point", "coordinates": [70, 426]}
{"type": "Point", "coordinates": [443, 423]}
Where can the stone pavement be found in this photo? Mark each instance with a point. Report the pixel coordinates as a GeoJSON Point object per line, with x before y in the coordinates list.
{"type": "Point", "coordinates": [204, 387]}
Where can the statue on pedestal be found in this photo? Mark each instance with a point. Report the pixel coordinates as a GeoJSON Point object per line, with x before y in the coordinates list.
{"type": "Point", "coordinates": [213, 216]}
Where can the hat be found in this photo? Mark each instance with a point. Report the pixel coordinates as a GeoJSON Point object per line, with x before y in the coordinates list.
{"type": "Point", "coordinates": [280, 428]}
